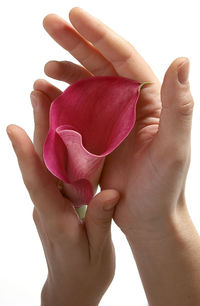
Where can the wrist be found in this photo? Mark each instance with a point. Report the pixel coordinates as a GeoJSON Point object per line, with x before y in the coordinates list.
{"type": "Point", "coordinates": [162, 228]}
{"type": "Point", "coordinates": [167, 255]}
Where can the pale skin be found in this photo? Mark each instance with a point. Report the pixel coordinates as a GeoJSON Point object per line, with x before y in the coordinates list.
{"type": "Point", "coordinates": [148, 169]}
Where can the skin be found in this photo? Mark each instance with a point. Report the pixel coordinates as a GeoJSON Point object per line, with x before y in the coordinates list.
{"type": "Point", "coordinates": [79, 252]}
{"type": "Point", "coordinates": [149, 168]}
{"type": "Point", "coordinates": [159, 142]}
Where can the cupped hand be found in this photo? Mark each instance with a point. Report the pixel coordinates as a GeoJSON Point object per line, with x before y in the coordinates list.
{"type": "Point", "coordinates": [149, 168]}
{"type": "Point", "coordinates": [79, 253]}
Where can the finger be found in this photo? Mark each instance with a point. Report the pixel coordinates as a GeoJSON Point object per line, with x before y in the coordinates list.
{"type": "Point", "coordinates": [41, 106]}
{"type": "Point", "coordinates": [173, 137]}
{"type": "Point", "coordinates": [99, 216]}
{"type": "Point", "coordinates": [50, 90]}
{"type": "Point", "coordinates": [42, 189]}
{"type": "Point", "coordinates": [66, 36]}
{"type": "Point", "coordinates": [41, 100]}
{"type": "Point", "coordinates": [121, 54]}
{"type": "Point", "coordinates": [66, 71]}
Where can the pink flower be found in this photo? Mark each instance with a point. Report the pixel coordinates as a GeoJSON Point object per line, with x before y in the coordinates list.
{"type": "Point", "coordinates": [87, 122]}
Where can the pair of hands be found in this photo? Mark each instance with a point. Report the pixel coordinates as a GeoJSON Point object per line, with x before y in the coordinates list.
{"type": "Point", "coordinates": [145, 176]}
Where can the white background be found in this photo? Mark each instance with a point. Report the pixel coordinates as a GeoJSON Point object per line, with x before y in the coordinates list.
{"type": "Point", "coordinates": [160, 31]}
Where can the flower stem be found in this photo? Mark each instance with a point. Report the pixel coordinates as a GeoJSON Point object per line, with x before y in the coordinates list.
{"type": "Point", "coordinates": [81, 211]}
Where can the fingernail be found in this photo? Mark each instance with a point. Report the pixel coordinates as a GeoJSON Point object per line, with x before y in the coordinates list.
{"type": "Point", "coordinates": [183, 71]}
{"type": "Point", "coordinates": [34, 100]}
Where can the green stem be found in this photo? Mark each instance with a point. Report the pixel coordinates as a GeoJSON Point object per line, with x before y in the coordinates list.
{"type": "Point", "coordinates": [81, 211]}
{"type": "Point", "coordinates": [142, 84]}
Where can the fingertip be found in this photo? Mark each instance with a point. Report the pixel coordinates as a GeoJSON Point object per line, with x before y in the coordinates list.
{"type": "Point", "coordinates": [113, 195]}
{"type": "Point", "coordinates": [75, 13]}
{"type": "Point", "coordinates": [51, 67]}
{"type": "Point", "coordinates": [106, 199]}
{"type": "Point", "coordinates": [175, 65]}
{"type": "Point", "coordinates": [53, 23]}
{"type": "Point", "coordinates": [12, 129]}
{"type": "Point", "coordinates": [112, 199]}
{"type": "Point", "coordinates": [182, 59]}
{"type": "Point", "coordinates": [38, 84]}
{"type": "Point", "coordinates": [74, 10]}
{"type": "Point", "coordinates": [20, 140]}
{"type": "Point", "coordinates": [9, 129]}
{"type": "Point", "coordinates": [176, 78]}
{"type": "Point", "coordinates": [47, 19]}
{"type": "Point", "coordinates": [178, 61]}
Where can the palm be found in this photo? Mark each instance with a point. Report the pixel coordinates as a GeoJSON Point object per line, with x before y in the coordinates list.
{"type": "Point", "coordinates": [129, 165]}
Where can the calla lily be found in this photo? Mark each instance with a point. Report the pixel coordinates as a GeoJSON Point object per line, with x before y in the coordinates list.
{"type": "Point", "coordinates": [87, 122]}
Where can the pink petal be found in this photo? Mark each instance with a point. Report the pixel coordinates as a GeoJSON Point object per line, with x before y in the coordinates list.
{"type": "Point", "coordinates": [87, 122]}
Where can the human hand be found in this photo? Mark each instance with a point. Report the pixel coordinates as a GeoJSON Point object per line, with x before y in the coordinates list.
{"type": "Point", "coordinates": [149, 168]}
{"type": "Point", "coordinates": [79, 253]}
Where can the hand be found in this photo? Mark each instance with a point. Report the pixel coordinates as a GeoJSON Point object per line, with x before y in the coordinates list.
{"type": "Point", "coordinates": [149, 168]}
{"type": "Point", "coordinates": [79, 253]}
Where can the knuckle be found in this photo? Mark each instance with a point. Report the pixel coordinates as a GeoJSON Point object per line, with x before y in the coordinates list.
{"type": "Point", "coordinates": [172, 157]}
{"type": "Point", "coordinates": [36, 186]}
{"type": "Point", "coordinates": [179, 158]}
{"type": "Point", "coordinates": [35, 216]}
{"type": "Point", "coordinates": [103, 222]}
{"type": "Point", "coordinates": [186, 107]}
{"type": "Point", "coordinates": [33, 188]}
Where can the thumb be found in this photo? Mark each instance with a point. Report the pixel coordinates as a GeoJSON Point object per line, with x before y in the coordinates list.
{"type": "Point", "coordinates": [173, 136]}
{"type": "Point", "coordinates": [99, 216]}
